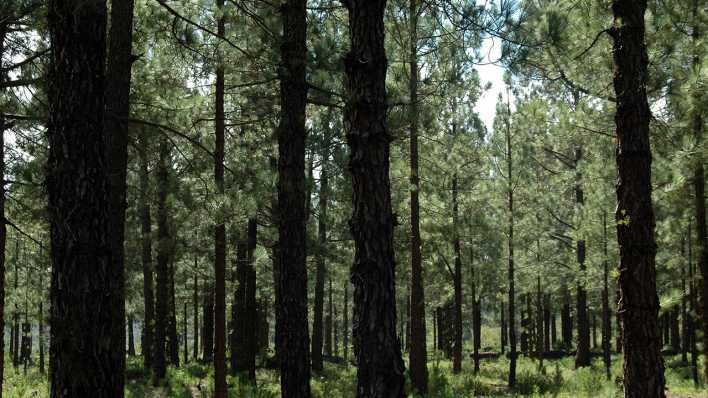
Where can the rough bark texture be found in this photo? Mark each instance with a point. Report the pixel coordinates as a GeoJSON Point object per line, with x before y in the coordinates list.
{"type": "Point", "coordinates": [162, 268]}
{"type": "Point", "coordinates": [639, 304]}
{"type": "Point", "coordinates": [293, 340]}
{"type": "Point", "coordinates": [117, 110]}
{"type": "Point", "coordinates": [418, 356]}
{"type": "Point", "coordinates": [380, 370]}
{"type": "Point", "coordinates": [86, 357]}
{"type": "Point", "coordinates": [220, 390]}
{"type": "Point", "coordinates": [457, 281]}
{"type": "Point", "coordinates": [146, 255]}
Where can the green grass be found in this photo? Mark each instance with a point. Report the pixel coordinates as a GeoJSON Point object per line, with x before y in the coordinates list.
{"type": "Point", "coordinates": [556, 379]}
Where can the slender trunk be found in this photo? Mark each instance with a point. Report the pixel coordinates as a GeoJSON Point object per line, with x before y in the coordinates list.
{"type": "Point", "coordinates": [89, 316]}
{"type": "Point", "coordinates": [685, 336]}
{"type": "Point", "coordinates": [380, 370]}
{"type": "Point", "coordinates": [566, 320]}
{"type": "Point", "coordinates": [173, 340]}
{"type": "Point", "coordinates": [510, 197]}
{"type": "Point", "coordinates": [195, 310]}
{"type": "Point", "coordinates": [162, 268]}
{"type": "Point", "coordinates": [547, 322]}
{"type": "Point", "coordinates": [250, 318]}
{"type": "Point", "coordinates": [293, 342]}
{"type": "Point", "coordinates": [418, 356]}
{"type": "Point", "coordinates": [606, 327]}
{"type": "Point", "coordinates": [457, 353]}
{"type": "Point", "coordinates": [693, 310]}
{"type": "Point", "coordinates": [146, 254]}
{"type": "Point", "coordinates": [639, 303]}
{"type": "Point", "coordinates": [117, 110]}
{"type": "Point", "coordinates": [239, 343]}
{"type": "Point", "coordinates": [208, 324]}
{"type": "Point", "coordinates": [131, 340]}
{"type": "Point", "coordinates": [582, 355]}
{"type": "Point", "coordinates": [476, 315]}
{"type": "Point", "coordinates": [554, 332]}
{"type": "Point", "coordinates": [317, 325]}
{"type": "Point", "coordinates": [184, 334]}
{"type": "Point", "coordinates": [41, 338]}
{"type": "Point", "coordinates": [220, 389]}
{"type": "Point", "coordinates": [345, 327]}
{"type": "Point", "coordinates": [502, 322]}
{"type": "Point", "coordinates": [699, 190]}
{"type": "Point", "coordinates": [328, 322]}
{"type": "Point", "coordinates": [539, 322]}
{"type": "Point", "coordinates": [3, 227]}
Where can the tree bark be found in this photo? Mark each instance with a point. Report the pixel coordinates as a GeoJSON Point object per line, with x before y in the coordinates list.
{"type": "Point", "coordinates": [220, 389]}
{"type": "Point", "coordinates": [195, 309]}
{"type": "Point", "coordinates": [208, 324]}
{"type": "Point", "coordinates": [85, 294]}
{"type": "Point", "coordinates": [317, 324]}
{"type": "Point", "coordinates": [117, 111]}
{"type": "Point", "coordinates": [131, 339]}
{"type": "Point", "coordinates": [380, 370]}
{"type": "Point", "coordinates": [639, 303]}
{"type": "Point", "coordinates": [566, 320]}
{"type": "Point", "coordinates": [417, 356]}
{"type": "Point", "coordinates": [476, 315]}
{"type": "Point", "coordinates": [582, 354]}
{"type": "Point", "coordinates": [238, 344]}
{"type": "Point", "coordinates": [173, 337]}
{"type": "Point", "coordinates": [345, 327]}
{"type": "Point", "coordinates": [250, 316]}
{"type": "Point", "coordinates": [606, 320]}
{"type": "Point", "coordinates": [3, 227]}
{"type": "Point", "coordinates": [293, 343]}
{"type": "Point", "coordinates": [328, 322]}
{"type": "Point", "coordinates": [162, 268]}
{"type": "Point", "coordinates": [510, 200]}
{"type": "Point", "coordinates": [146, 254]}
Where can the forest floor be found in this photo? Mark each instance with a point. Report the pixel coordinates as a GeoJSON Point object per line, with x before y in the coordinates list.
{"type": "Point", "coordinates": [558, 379]}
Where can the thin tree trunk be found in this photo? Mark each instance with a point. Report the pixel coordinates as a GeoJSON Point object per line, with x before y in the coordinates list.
{"type": "Point", "coordinates": [84, 316]}
{"type": "Point", "coordinates": [606, 326]}
{"type": "Point", "coordinates": [3, 227]}
{"type": "Point", "coordinates": [380, 370]}
{"type": "Point", "coordinates": [476, 315]}
{"type": "Point", "coordinates": [131, 339]}
{"type": "Point", "coordinates": [250, 318]}
{"type": "Point", "coordinates": [173, 339]}
{"type": "Point", "coordinates": [41, 339]}
{"type": "Point", "coordinates": [417, 356]}
{"type": "Point", "coordinates": [503, 328]}
{"type": "Point", "coordinates": [582, 355]}
{"type": "Point", "coordinates": [146, 254]}
{"type": "Point", "coordinates": [457, 280]}
{"type": "Point", "coordinates": [195, 309]}
{"type": "Point", "coordinates": [691, 318]}
{"type": "Point", "coordinates": [510, 197]}
{"type": "Point", "coordinates": [639, 303]}
{"type": "Point", "coordinates": [328, 322]}
{"type": "Point", "coordinates": [292, 341]}
{"type": "Point", "coordinates": [184, 334]}
{"type": "Point", "coordinates": [220, 389]}
{"type": "Point", "coordinates": [566, 320]}
{"type": "Point", "coordinates": [539, 321]}
{"type": "Point", "coordinates": [208, 324]}
{"type": "Point", "coordinates": [162, 268]}
{"type": "Point", "coordinates": [239, 344]}
{"type": "Point", "coordinates": [317, 325]}
{"type": "Point", "coordinates": [345, 328]}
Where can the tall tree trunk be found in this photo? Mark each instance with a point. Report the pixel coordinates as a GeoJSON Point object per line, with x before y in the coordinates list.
{"type": "Point", "coordinates": [328, 321]}
{"type": "Point", "coordinates": [566, 320]}
{"type": "Point", "coordinates": [131, 339]}
{"type": "Point", "coordinates": [539, 322]}
{"type": "Point", "coordinates": [699, 188]}
{"type": "Point", "coordinates": [693, 310]}
{"type": "Point", "coordinates": [195, 309]}
{"type": "Point", "coordinates": [417, 356]}
{"type": "Point", "coordinates": [510, 200]}
{"type": "Point", "coordinates": [345, 327]}
{"type": "Point", "coordinates": [162, 268]}
{"type": "Point", "coordinates": [476, 315]}
{"type": "Point", "coordinates": [146, 254]}
{"type": "Point", "coordinates": [184, 334]}
{"type": "Point", "coordinates": [317, 325]}
{"type": "Point", "coordinates": [117, 110]}
{"type": "Point", "coordinates": [3, 227]}
{"type": "Point", "coordinates": [502, 323]}
{"type": "Point", "coordinates": [547, 322]}
{"type": "Point", "coordinates": [238, 345]}
{"type": "Point", "coordinates": [41, 338]}
{"type": "Point", "coordinates": [78, 186]}
{"type": "Point", "coordinates": [173, 338]}
{"type": "Point", "coordinates": [639, 303]}
{"type": "Point", "coordinates": [250, 317]}
{"type": "Point", "coordinates": [457, 280]}
{"type": "Point", "coordinates": [582, 355]}
{"type": "Point", "coordinates": [380, 370]}
{"type": "Point", "coordinates": [220, 389]}
{"type": "Point", "coordinates": [606, 322]}
{"type": "Point", "coordinates": [208, 324]}
{"type": "Point", "coordinates": [554, 334]}
{"type": "Point", "coordinates": [292, 339]}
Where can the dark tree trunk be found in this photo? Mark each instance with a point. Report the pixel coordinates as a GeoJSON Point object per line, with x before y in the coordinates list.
{"type": "Point", "coordinates": [675, 332]}
{"type": "Point", "coordinates": [3, 228]}
{"type": "Point", "coordinates": [554, 332]}
{"type": "Point", "coordinates": [184, 334]}
{"type": "Point", "coordinates": [476, 315]}
{"type": "Point", "coordinates": [88, 317]}
{"type": "Point", "coordinates": [639, 304]}
{"type": "Point", "coordinates": [131, 339]}
{"type": "Point", "coordinates": [162, 269]}
{"type": "Point", "coordinates": [582, 354]}
{"type": "Point", "coordinates": [547, 322]}
{"type": "Point", "coordinates": [208, 324]}
{"type": "Point", "coordinates": [539, 322]}
{"type": "Point", "coordinates": [238, 309]}
{"type": "Point", "coordinates": [41, 339]}
{"type": "Point", "coordinates": [220, 389]}
{"type": "Point", "coordinates": [292, 341]}
{"type": "Point", "coordinates": [173, 339]}
{"type": "Point", "coordinates": [146, 255]}
{"type": "Point", "coordinates": [566, 321]}
{"type": "Point", "coordinates": [317, 324]}
{"type": "Point", "coordinates": [380, 370]}
{"type": "Point", "coordinates": [16, 316]}
{"type": "Point", "coordinates": [328, 321]}
{"type": "Point", "coordinates": [345, 326]}
{"type": "Point", "coordinates": [503, 337]}
{"type": "Point", "coordinates": [510, 202]}
{"type": "Point", "coordinates": [699, 189]}
{"type": "Point", "coordinates": [457, 281]}
{"type": "Point", "coordinates": [117, 110]}
{"type": "Point", "coordinates": [418, 356]}
{"type": "Point", "coordinates": [691, 319]}
{"type": "Point", "coordinates": [606, 320]}
{"type": "Point", "coordinates": [195, 309]}
{"type": "Point", "coordinates": [250, 313]}
{"type": "Point", "coordinates": [593, 329]}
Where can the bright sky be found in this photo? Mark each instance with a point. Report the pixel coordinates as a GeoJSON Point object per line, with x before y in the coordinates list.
{"type": "Point", "coordinates": [490, 71]}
